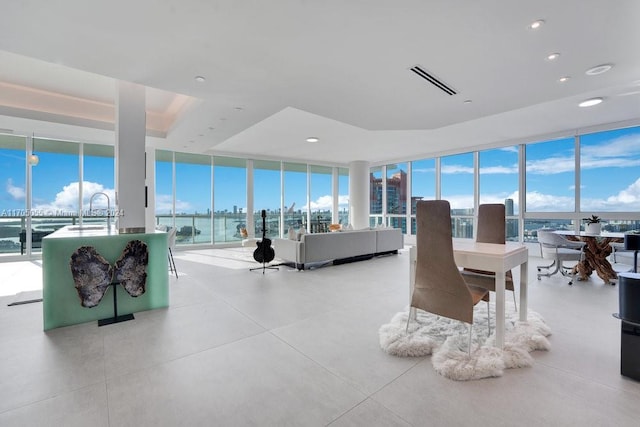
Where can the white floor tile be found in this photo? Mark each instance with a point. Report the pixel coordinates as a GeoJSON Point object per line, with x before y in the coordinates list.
{"type": "Point", "coordinates": [300, 348]}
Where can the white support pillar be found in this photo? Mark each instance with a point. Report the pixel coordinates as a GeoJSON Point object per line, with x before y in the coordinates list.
{"type": "Point", "coordinates": [130, 155]}
{"type": "Point", "coordinates": [359, 194]}
{"type": "Point", "coordinates": [150, 183]}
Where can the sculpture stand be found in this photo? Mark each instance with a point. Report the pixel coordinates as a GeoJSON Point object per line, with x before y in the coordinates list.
{"type": "Point", "coordinates": [264, 267]}
{"type": "Point", "coordinates": [115, 318]}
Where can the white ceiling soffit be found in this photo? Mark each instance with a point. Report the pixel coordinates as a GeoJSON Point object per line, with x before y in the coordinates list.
{"type": "Point", "coordinates": [276, 73]}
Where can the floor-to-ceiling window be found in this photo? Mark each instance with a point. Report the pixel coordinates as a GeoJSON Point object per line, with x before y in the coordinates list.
{"type": "Point", "coordinates": [321, 198]}
{"type": "Point", "coordinates": [55, 185]}
{"type": "Point", "coordinates": [164, 188]}
{"type": "Point", "coordinates": [610, 177]}
{"type": "Point", "coordinates": [457, 186]}
{"type": "Point", "coordinates": [498, 183]}
{"type": "Point", "coordinates": [550, 185]}
{"type": "Point", "coordinates": [98, 176]}
{"type": "Point", "coordinates": [193, 198]}
{"type": "Point", "coordinates": [266, 197]}
{"type": "Point", "coordinates": [13, 204]}
{"type": "Point", "coordinates": [396, 190]}
{"type": "Point", "coordinates": [375, 196]}
{"type": "Point", "coordinates": [550, 176]}
{"type": "Point", "coordinates": [295, 195]}
{"type": "Point", "coordinates": [423, 185]}
{"type": "Point", "coordinates": [343, 196]}
{"type": "Point", "coordinates": [229, 198]}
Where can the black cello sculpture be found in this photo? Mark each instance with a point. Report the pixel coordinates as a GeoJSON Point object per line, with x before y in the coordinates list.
{"type": "Point", "coordinates": [264, 253]}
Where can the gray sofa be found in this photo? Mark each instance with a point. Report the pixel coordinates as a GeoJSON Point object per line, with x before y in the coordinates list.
{"type": "Point", "coordinates": [339, 247]}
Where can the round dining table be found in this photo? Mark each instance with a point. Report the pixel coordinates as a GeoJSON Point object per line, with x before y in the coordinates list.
{"type": "Point", "coordinates": [596, 251]}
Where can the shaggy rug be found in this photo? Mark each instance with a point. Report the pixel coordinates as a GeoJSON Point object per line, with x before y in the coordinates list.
{"type": "Point", "coordinates": [447, 341]}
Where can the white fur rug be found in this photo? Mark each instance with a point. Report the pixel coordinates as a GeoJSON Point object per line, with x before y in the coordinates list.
{"type": "Point", "coordinates": [447, 340]}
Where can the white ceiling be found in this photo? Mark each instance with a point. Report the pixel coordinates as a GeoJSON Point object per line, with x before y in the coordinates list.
{"type": "Point", "coordinates": [280, 71]}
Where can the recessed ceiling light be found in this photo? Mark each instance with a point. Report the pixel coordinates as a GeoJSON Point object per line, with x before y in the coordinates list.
{"type": "Point", "coordinates": [468, 101]}
{"type": "Point", "coordinates": [199, 79]}
{"type": "Point", "coordinates": [591, 102]}
{"type": "Point", "coordinates": [211, 128]}
{"type": "Point", "coordinates": [553, 56]}
{"type": "Point", "coordinates": [239, 108]}
{"type": "Point", "coordinates": [598, 69]}
{"type": "Point", "coordinates": [313, 139]}
{"type": "Point", "coordinates": [564, 79]}
{"type": "Point", "coordinates": [536, 24]}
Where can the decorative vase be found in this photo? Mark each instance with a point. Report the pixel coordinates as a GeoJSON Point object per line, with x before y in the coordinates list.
{"type": "Point", "coordinates": [593, 228]}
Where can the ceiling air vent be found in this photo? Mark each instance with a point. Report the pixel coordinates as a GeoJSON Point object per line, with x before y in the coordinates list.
{"type": "Point", "coordinates": [432, 79]}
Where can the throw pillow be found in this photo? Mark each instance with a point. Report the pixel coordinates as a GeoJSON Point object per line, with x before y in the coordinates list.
{"type": "Point", "coordinates": [292, 233]}
{"type": "Point", "coordinates": [301, 232]}
{"type": "Point", "coordinates": [243, 233]}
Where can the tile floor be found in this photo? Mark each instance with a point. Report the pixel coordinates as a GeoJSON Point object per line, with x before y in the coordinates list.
{"type": "Point", "coordinates": [289, 348]}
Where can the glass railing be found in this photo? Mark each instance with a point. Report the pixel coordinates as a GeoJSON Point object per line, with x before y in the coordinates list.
{"type": "Point", "coordinates": [13, 234]}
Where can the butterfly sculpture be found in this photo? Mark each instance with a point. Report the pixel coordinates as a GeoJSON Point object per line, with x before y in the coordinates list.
{"type": "Point", "coordinates": [92, 273]}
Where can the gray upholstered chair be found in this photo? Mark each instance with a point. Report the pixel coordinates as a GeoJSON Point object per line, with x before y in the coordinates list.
{"type": "Point", "coordinates": [622, 259]}
{"type": "Point", "coordinates": [439, 287]}
{"type": "Point", "coordinates": [491, 229]}
{"type": "Point", "coordinates": [558, 248]}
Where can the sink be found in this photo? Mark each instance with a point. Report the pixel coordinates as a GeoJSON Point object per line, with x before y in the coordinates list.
{"type": "Point", "coordinates": [86, 227]}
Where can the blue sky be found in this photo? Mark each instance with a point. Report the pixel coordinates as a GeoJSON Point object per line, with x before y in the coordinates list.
{"type": "Point", "coordinates": [610, 179]}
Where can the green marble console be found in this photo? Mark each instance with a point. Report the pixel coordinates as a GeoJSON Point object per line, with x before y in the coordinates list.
{"type": "Point", "coordinates": [61, 304]}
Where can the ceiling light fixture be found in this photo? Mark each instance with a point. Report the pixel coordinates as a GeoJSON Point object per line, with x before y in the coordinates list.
{"type": "Point", "coordinates": [33, 158]}
{"type": "Point", "coordinates": [591, 102]}
{"type": "Point", "coordinates": [536, 24]}
{"type": "Point", "coordinates": [553, 56]}
{"type": "Point", "coordinates": [199, 79]}
{"type": "Point", "coordinates": [564, 79]}
{"type": "Point", "coordinates": [598, 69]}
{"type": "Point", "coordinates": [313, 139]}
{"type": "Point", "coordinates": [468, 101]}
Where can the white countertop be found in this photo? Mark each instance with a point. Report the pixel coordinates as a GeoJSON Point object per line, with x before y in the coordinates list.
{"type": "Point", "coordinates": [89, 230]}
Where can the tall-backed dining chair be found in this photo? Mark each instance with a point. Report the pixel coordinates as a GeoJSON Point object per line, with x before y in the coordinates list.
{"type": "Point", "coordinates": [439, 288]}
{"type": "Point", "coordinates": [558, 248]}
{"type": "Point", "coordinates": [491, 229]}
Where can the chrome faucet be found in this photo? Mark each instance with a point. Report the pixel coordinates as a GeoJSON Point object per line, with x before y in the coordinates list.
{"type": "Point", "coordinates": [108, 206]}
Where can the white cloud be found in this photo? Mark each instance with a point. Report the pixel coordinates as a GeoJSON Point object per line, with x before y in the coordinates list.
{"type": "Point", "coordinates": [66, 201]}
{"type": "Point", "coordinates": [462, 201]}
{"type": "Point", "coordinates": [322, 203]}
{"type": "Point", "coordinates": [538, 202]}
{"type": "Point", "coordinates": [16, 193]}
{"type": "Point", "coordinates": [446, 169]}
{"type": "Point", "coordinates": [551, 165]}
{"type": "Point", "coordinates": [618, 147]}
{"type": "Point", "coordinates": [423, 170]}
{"type": "Point", "coordinates": [512, 149]}
{"type": "Point", "coordinates": [164, 204]}
{"type": "Point", "coordinates": [499, 170]}
{"type": "Point", "coordinates": [621, 152]}
{"type": "Point", "coordinates": [326, 203]}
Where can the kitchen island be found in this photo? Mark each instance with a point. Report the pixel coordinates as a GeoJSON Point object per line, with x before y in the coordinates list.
{"type": "Point", "coordinates": [61, 302]}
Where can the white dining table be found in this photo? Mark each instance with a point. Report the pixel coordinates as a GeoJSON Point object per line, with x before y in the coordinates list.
{"type": "Point", "coordinates": [497, 258]}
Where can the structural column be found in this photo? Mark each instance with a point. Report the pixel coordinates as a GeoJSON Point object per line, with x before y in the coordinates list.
{"type": "Point", "coordinates": [359, 194]}
{"type": "Point", "coordinates": [130, 155]}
